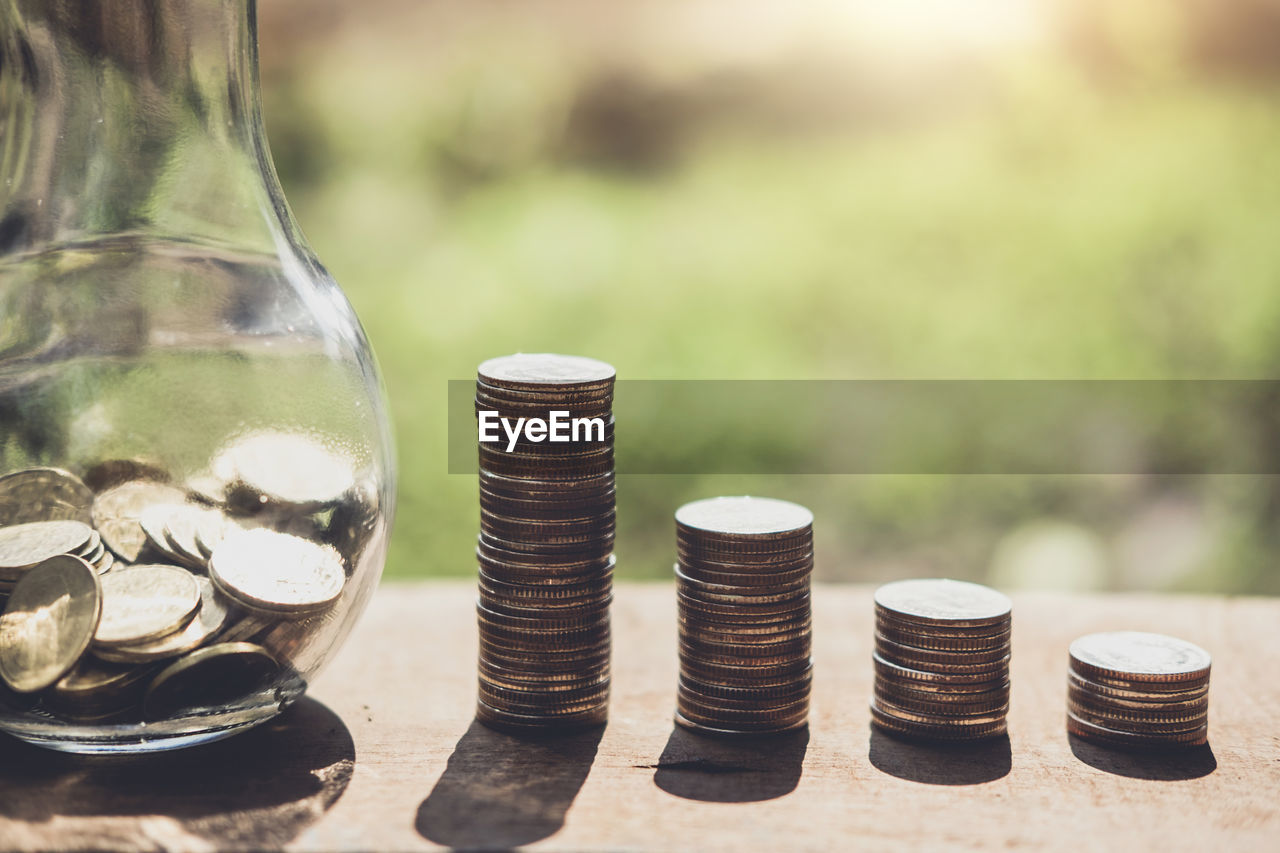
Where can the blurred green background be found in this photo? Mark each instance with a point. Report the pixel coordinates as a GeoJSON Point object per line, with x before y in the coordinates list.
{"type": "Point", "coordinates": [824, 189]}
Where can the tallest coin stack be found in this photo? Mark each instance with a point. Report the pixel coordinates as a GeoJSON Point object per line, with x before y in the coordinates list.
{"type": "Point", "coordinates": [546, 542]}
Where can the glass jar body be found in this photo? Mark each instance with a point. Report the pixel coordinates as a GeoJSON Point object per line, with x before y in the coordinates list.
{"type": "Point", "coordinates": [168, 340]}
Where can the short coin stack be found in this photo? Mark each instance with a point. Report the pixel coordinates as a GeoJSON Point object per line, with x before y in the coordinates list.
{"type": "Point", "coordinates": [1137, 690]}
{"type": "Point", "coordinates": [742, 586]}
{"type": "Point", "coordinates": [545, 549]}
{"type": "Point", "coordinates": [941, 660]}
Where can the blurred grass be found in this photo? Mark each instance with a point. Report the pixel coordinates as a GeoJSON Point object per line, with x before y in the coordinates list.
{"type": "Point", "coordinates": [1041, 225]}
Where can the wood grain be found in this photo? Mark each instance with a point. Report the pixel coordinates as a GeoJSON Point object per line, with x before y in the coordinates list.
{"type": "Point", "coordinates": [385, 754]}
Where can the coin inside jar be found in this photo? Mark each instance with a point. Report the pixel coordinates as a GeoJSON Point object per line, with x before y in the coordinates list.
{"type": "Point", "coordinates": [43, 494]}
{"type": "Point", "coordinates": [25, 545]}
{"type": "Point", "coordinates": [265, 570]}
{"type": "Point", "coordinates": [209, 677]}
{"type": "Point", "coordinates": [211, 618]}
{"type": "Point", "coordinates": [48, 622]}
{"type": "Point", "coordinates": [145, 602]}
{"type": "Point", "coordinates": [117, 513]}
{"type": "Point", "coordinates": [287, 468]}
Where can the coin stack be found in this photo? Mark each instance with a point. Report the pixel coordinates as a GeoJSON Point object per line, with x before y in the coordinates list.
{"type": "Point", "coordinates": [941, 660]}
{"type": "Point", "coordinates": [545, 549]}
{"type": "Point", "coordinates": [183, 579]}
{"type": "Point", "coordinates": [1131, 689]}
{"type": "Point", "coordinates": [742, 588]}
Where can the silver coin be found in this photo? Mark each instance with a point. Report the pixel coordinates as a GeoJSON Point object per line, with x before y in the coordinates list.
{"type": "Point", "coordinates": [48, 622]}
{"type": "Point", "coordinates": [207, 489]}
{"type": "Point", "coordinates": [541, 370]}
{"type": "Point", "coordinates": [210, 529]}
{"type": "Point", "coordinates": [43, 494]}
{"type": "Point", "coordinates": [209, 678]}
{"type": "Point", "coordinates": [744, 516]}
{"type": "Point", "coordinates": [23, 546]}
{"type": "Point", "coordinates": [1139, 656]}
{"type": "Point", "coordinates": [154, 522]}
{"type": "Point", "coordinates": [117, 513]}
{"type": "Point", "coordinates": [89, 679]}
{"type": "Point", "coordinates": [943, 601]}
{"type": "Point", "coordinates": [287, 468]}
{"type": "Point", "coordinates": [180, 532]}
{"type": "Point", "coordinates": [106, 563]}
{"type": "Point", "coordinates": [265, 570]}
{"type": "Point", "coordinates": [92, 550]}
{"type": "Point", "coordinates": [211, 618]}
{"type": "Point", "coordinates": [144, 603]}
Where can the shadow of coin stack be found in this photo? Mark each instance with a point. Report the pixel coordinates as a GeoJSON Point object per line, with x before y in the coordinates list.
{"type": "Point", "coordinates": [941, 660]}
{"type": "Point", "coordinates": [742, 586]}
{"type": "Point", "coordinates": [546, 545]}
{"type": "Point", "coordinates": [1136, 690]}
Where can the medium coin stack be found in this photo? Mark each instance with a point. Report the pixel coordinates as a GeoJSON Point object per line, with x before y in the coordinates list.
{"type": "Point", "coordinates": [546, 545]}
{"type": "Point", "coordinates": [742, 588]}
{"type": "Point", "coordinates": [941, 660]}
{"type": "Point", "coordinates": [1131, 689]}
{"type": "Point", "coordinates": [183, 579]}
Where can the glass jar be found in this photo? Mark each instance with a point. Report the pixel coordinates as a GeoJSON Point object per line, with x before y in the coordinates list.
{"type": "Point", "coordinates": [182, 385]}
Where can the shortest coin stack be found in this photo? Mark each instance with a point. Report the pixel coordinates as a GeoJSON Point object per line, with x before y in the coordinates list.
{"type": "Point", "coordinates": [742, 585]}
{"type": "Point", "coordinates": [1137, 690]}
{"type": "Point", "coordinates": [941, 660]}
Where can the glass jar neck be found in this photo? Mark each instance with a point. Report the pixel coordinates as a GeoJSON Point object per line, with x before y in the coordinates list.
{"type": "Point", "coordinates": [134, 117]}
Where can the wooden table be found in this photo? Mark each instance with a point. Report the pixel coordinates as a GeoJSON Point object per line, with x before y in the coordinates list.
{"type": "Point", "coordinates": [386, 755]}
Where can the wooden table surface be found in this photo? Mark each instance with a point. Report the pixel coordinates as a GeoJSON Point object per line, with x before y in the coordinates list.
{"type": "Point", "coordinates": [384, 754]}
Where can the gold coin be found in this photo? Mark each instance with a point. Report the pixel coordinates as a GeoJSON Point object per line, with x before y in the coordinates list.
{"type": "Point", "coordinates": [117, 514]}
{"type": "Point", "coordinates": [25, 545]}
{"type": "Point", "coordinates": [208, 678]}
{"type": "Point", "coordinates": [264, 570]}
{"type": "Point", "coordinates": [144, 603]}
{"type": "Point", "coordinates": [48, 622]}
{"type": "Point", "coordinates": [211, 618]}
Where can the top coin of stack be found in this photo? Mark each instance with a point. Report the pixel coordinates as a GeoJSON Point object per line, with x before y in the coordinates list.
{"type": "Point", "coordinates": [941, 660]}
{"type": "Point", "coordinates": [546, 546]}
{"type": "Point", "coordinates": [1137, 690]}
{"type": "Point", "coordinates": [742, 584]}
